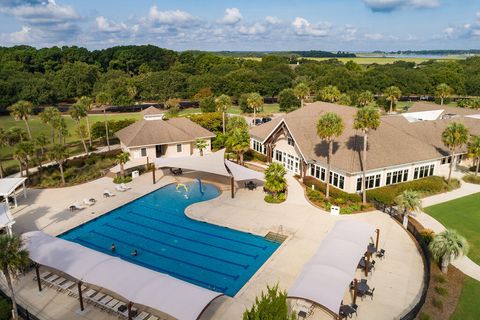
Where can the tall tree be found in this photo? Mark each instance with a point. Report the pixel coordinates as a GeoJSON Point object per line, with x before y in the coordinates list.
{"type": "Point", "coordinates": [255, 101]}
{"type": "Point", "coordinates": [329, 126]}
{"type": "Point", "coordinates": [454, 137]}
{"type": "Point", "coordinates": [103, 99]}
{"type": "Point", "coordinates": [3, 144]}
{"type": "Point", "coordinates": [446, 246]}
{"type": "Point", "coordinates": [87, 103]}
{"type": "Point", "coordinates": [270, 305]}
{"type": "Point", "coordinates": [49, 116]}
{"type": "Point", "coordinates": [123, 158]}
{"type": "Point", "coordinates": [238, 139]}
{"type": "Point", "coordinates": [22, 153]}
{"type": "Point", "coordinates": [443, 91]}
{"type": "Point", "coordinates": [474, 151]}
{"type": "Point", "coordinates": [59, 154]}
{"type": "Point", "coordinates": [302, 90]}
{"type": "Point", "coordinates": [408, 201]}
{"type": "Point", "coordinates": [275, 181]}
{"type": "Point", "coordinates": [392, 94]}
{"type": "Point", "coordinates": [22, 110]}
{"type": "Point", "coordinates": [223, 102]}
{"type": "Point", "coordinates": [13, 260]}
{"type": "Point", "coordinates": [329, 94]}
{"type": "Point", "coordinates": [365, 98]}
{"type": "Point", "coordinates": [366, 119]}
{"type": "Point", "coordinates": [78, 112]}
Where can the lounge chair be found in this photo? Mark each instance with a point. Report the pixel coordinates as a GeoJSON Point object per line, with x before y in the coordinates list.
{"type": "Point", "coordinates": [153, 318]}
{"type": "Point", "coordinates": [141, 316]}
{"type": "Point", "coordinates": [125, 187]}
{"type": "Point", "coordinates": [89, 202]}
{"type": "Point", "coordinates": [107, 194]}
{"type": "Point", "coordinates": [119, 188]}
{"type": "Point", "coordinates": [381, 254]}
{"type": "Point", "coordinates": [76, 206]}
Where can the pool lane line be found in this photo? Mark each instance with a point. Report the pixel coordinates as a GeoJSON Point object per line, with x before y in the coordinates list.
{"type": "Point", "coordinates": [245, 266]}
{"type": "Point", "coordinates": [234, 277]}
{"type": "Point", "coordinates": [153, 267]}
{"type": "Point", "coordinates": [254, 256]}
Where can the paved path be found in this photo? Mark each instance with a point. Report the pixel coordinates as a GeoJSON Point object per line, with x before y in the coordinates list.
{"type": "Point", "coordinates": [464, 264]}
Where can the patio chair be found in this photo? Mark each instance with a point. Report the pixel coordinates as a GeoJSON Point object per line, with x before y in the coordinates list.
{"type": "Point", "coordinates": [107, 194]}
{"type": "Point", "coordinates": [381, 254]}
{"type": "Point", "coordinates": [89, 202]}
{"type": "Point", "coordinates": [76, 206]}
{"type": "Point", "coordinates": [124, 186]}
{"type": "Point", "coordinates": [119, 188]}
{"type": "Point", "coordinates": [370, 293]}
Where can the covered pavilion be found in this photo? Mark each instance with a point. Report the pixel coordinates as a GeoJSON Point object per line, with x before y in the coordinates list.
{"type": "Point", "coordinates": [214, 163]}
{"type": "Point", "coordinates": [327, 275]}
{"type": "Point", "coordinates": [132, 283]}
{"type": "Point", "coordinates": [8, 187]}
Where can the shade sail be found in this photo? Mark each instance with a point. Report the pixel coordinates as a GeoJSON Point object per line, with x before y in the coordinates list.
{"type": "Point", "coordinates": [136, 284]}
{"type": "Point", "coordinates": [8, 185]}
{"type": "Point", "coordinates": [5, 218]}
{"type": "Point", "coordinates": [327, 275]}
{"type": "Point", "coordinates": [242, 173]}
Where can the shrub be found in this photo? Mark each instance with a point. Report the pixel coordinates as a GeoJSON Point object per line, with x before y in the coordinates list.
{"type": "Point", "coordinates": [424, 316]}
{"type": "Point", "coordinates": [470, 178]}
{"type": "Point", "coordinates": [119, 179]}
{"type": "Point", "coordinates": [5, 309]}
{"type": "Point", "coordinates": [426, 186]}
{"type": "Point", "coordinates": [437, 303]}
{"type": "Point", "coordinates": [288, 101]}
{"type": "Point", "coordinates": [440, 278]}
{"type": "Point", "coordinates": [270, 305]}
{"type": "Point", "coordinates": [242, 102]}
{"type": "Point", "coordinates": [441, 291]}
{"type": "Point", "coordinates": [254, 155]}
{"type": "Point", "coordinates": [210, 121]}
{"type": "Point", "coordinates": [334, 192]}
{"type": "Point", "coordinates": [427, 235]}
{"type": "Point", "coordinates": [271, 199]}
{"type": "Point", "coordinates": [208, 104]}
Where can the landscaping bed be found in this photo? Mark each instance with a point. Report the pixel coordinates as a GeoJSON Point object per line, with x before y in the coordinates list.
{"type": "Point", "coordinates": [426, 187]}
{"type": "Point", "coordinates": [470, 178]}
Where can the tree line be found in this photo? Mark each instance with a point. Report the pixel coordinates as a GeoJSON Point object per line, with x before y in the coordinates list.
{"type": "Point", "coordinates": [127, 74]}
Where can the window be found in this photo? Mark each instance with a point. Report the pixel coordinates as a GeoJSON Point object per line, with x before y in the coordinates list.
{"type": "Point", "coordinates": [143, 152]}
{"type": "Point", "coordinates": [423, 171]}
{"type": "Point", "coordinates": [290, 141]}
{"type": "Point", "coordinates": [336, 180]}
{"type": "Point", "coordinates": [372, 181]}
{"type": "Point", "coordinates": [259, 147]}
{"type": "Point", "coordinates": [446, 160]}
{"type": "Point", "coordinates": [396, 177]}
{"type": "Point", "coordinates": [159, 151]}
{"type": "Point", "coordinates": [278, 156]}
{"type": "Point", "coordinates": [179, 147]}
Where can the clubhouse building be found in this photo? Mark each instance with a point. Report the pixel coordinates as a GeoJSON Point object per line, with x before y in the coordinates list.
{"type": "Point", "coordinates": [405, 147]}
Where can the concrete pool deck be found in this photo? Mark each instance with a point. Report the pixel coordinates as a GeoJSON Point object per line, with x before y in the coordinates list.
{"type": "Point", "coordinates": [397, 278]}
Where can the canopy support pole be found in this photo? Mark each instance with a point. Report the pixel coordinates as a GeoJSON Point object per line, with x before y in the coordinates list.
{"type": "Point", "coordinates": [232, 180]}
{"type": "Point", "coordinates": [15, 199]}
{"type": "Point", "coordinates": [367, 265]}
{"type": "Point", "coordinates": [378, 237]}
{"type": "Point", "coordinates": [80, 298]}
{"type": "Point", "coordinates": [129, 310]}
{"type": "Point", "coordinates": [355, 287]}
{"type": "Point", "coordinates": [24, 190]}
{"type": "Point", "coordinates": [37, 271]}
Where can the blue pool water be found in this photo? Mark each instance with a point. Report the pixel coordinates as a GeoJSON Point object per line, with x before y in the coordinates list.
{"type": "Point", "coordinates": [167, 241]}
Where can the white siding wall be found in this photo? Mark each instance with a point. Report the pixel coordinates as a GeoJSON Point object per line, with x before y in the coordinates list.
{"type": "Point", "coordinates": [170, 150]}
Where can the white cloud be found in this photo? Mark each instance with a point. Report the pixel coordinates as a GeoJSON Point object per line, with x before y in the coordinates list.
{"type": "Point", "coordinates": [170, 17]}
{"type": "Point", "coordinates": [374, 36]}
{"type": "Point", "coordinates": [272, 20]}
{"type": "Point", "coordinates": [21, 36]}
{"type": "Point", "coordinates": [105, 25]}
{"type": "Point", "coordinates": [349, 33]}
{"type": "Point", "coordinates": [255, 29]}
{"type": "Point", "coordinates": [232, 16]}
{"type": "Point", "coordinates": [303, 27]}
{"type": "Point", "coordinates": [44, 13]}
{"type": "Point", "coordinates": [392, 5]}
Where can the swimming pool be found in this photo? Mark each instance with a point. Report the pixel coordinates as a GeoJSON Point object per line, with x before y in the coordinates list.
{"type": "Point", "coordinates": [167, 241]}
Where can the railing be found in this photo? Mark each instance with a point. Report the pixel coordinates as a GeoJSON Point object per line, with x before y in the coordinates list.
{"type": "Point", "coordinates": [397, 215]}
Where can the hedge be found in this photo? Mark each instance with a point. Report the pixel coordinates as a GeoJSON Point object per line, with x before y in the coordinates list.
{"type": "Point", "coordinates": [470, 178]}
{"type": "Point", "coordinates": [5, 309]}
{"type": "Point", "coordinates": [334, 192]}
{"type": "Point", "coordinates": [426, 186]}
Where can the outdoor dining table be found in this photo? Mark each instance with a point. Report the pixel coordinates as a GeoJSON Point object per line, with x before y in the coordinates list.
{"type": "Point", "coordinates": [371, 248]}
{"type": "Point", "coordinates": [363, 263]}
{"type": "Point", "coordinates": [362, 288]}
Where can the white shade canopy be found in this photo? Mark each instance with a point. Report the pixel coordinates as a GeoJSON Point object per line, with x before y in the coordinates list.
{"type": "Point", "coordinates": [212, 163]}
{"type": "Point", "coordinates": [5, 218]}
{"type": "Point", "coordinates": [136, 284]}
{"type": "Point", "coordinates": [327, 275]}
{"type": "Point", "coordinates": [8, 185]}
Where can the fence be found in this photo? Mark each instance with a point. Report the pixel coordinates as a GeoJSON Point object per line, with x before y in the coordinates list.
{"type": "Point", "coordinates": [395, 214]}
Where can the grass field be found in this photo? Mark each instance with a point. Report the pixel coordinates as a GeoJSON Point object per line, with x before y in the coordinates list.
{"type": "Point", "coordinates": [463, 215]}
{"type": "Point", "coordinates": [380, 60]}
{"type": "Point", "coordinates": [468, 307]}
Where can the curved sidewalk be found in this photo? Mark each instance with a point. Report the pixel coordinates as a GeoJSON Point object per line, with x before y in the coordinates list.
{"type": "Point", "coordinates": [464, 264]}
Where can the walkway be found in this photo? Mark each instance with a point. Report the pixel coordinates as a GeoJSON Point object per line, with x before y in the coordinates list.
{"type": "Point", "coordinates": [464, 264]}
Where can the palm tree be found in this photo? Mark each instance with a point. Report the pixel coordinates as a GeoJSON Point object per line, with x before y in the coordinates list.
{"type": "Point", "coordinates": [446, 246]}
{"type": "Point", "coordinates": [13, 259]}
{"type": "Point", "coordinates": [87, 103]}
{"type": "Point", "coordinates": [48, 116]}
{"type": "Point", "coordinates": [103, 99]}
{"type": "Point", "coordinates": [15, 135]}
{"type": "Point", "coordinates": [453, 137]}
{"type": "Point", "coordinates": [443, 91]}
{"type": "Point", "coordinates": [239, 141]}
{"type": "Point", "coordinates": [22, 110]}
{"type": "Point", "coordinates": [59, 154]}
{"type": "Point", "coordinates": [275, 181]}
{"type": "Point", "coordinates": [329, 94]}
{"type": "Point", "coordinates": [408, 201]}
{"type": "Point", "coordinates": [22, 153]}
{"type": "Point", "coordinates": [41, 142]}
{"type": "Point", "coordinates": [77, 112]}
{"type": "Point", "coordinates": [392, 94]}
{"type": "Point", "coordinates": [302, 91]}
{"type": "Point", "coordinates": [254, 101]}
{"type": "Point", "coordinates": [62, 129]}
{"type": "Point", "coordinates": [201, 144]}
{"type": "Point", "coordinates": [123, 158]}
{"type": "Point", "coordinates": [366, 119]}
{"type": "Point", "coordinates": [474, 151]}
{"type": "Point", "coordinates": [329, 126]}
{"type": "Point", "coordinates": [223, 102]}
{"type": "Point", "coordinates": [365, 98]}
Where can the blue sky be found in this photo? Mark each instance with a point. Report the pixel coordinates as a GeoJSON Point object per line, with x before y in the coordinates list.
{"type": "Point", "coordinates": [352, 25]}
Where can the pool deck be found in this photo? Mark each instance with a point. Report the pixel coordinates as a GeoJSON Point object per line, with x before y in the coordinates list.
{"type": "Point", "coordinates": [397, 278]}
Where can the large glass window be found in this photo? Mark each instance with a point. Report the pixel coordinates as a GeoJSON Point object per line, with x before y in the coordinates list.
{"type": "Point", "coordinates": [259, 147]}
{"type": "Point", "coordinates": [396, 177]}
{"type": "Point", "coordinates": [372, 181]}
{"type": "Point", "coordinates": [423, 171]}
{"type": "Point", "coordinates": [336, 179]}
{"type": "Point", "coordinates": [179, 147]}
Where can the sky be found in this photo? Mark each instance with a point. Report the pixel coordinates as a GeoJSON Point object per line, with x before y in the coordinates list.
{"type": "Point", "coordinates": [273, 25]}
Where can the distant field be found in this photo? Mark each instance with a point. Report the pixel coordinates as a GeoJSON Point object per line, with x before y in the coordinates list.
{"type": "Point", "coordinates": [380, 60]}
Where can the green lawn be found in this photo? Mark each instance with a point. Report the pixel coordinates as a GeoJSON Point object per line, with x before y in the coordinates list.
{"type": "Point", "coordinates": [468, 307]}
{"type": "Point", "coordinates": [463, 215]}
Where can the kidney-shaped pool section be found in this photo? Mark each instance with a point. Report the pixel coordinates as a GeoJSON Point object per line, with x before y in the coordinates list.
{"type": "Point", "coordinates": [167, 241]}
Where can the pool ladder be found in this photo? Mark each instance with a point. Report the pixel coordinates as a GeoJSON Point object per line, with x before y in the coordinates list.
{"type": "Point", "coordinates": [276, 237]}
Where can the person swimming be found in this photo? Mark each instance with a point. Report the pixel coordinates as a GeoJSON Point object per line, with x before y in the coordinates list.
{"type": "Point", "coordinates": [134, 253]}
{"type": "Point", "coordinates": [113, 247]}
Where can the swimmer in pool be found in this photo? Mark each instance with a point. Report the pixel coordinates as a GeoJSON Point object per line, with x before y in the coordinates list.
{"type": "Point", "coordinates": [134, 253]}
{"type": "Point", "coordinates": [113, 248]}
